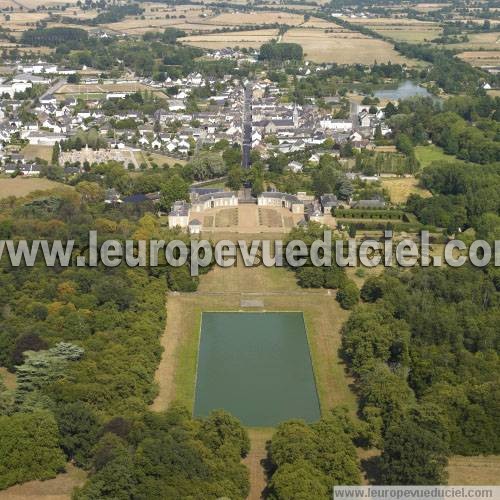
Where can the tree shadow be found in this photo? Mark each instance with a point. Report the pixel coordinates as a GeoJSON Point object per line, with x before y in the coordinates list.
{"type": "Point", "coordinates": [371, 466]}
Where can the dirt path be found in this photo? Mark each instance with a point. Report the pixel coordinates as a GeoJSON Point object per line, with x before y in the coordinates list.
{"type": "Point", "coordinates": [165, 372]}
{"type": "Point", "coordinates": [59, 488]}
{"type": "Point", "coordinates": [258, 453]}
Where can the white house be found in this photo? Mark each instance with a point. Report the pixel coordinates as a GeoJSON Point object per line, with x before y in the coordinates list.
{"type": "Point", "coordinates": [295, 166]}
{"type": "Point", "coordinates": [338, 125]}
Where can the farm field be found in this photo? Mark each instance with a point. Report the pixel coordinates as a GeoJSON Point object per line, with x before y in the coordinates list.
{"type": "Point", "coordinates": [342, 48]}
{"type": "Point", "coordinates": [478, 470]}
{"type": "Point", "coordinates": [481, 57]}
{"type": "Point", "coordinates": [23, 186]}
{"type": "Point", "coordinates": [101, 88]}
{"type": "Point", "coordinates": [404, 30]}
{"type": "Point", "coordinates": [20, 21]}
{"type": "Point", "coordinates": [192, 18]}
{"type": "Point", "coordinates": [429, 7]}
{"type": "Point", "coordinates": [400, 188]}
{"type": "Point", "coordinates": [480, 41]}
{"type": "Point", "coordinates": [141, 26]}
{"type": "Point", "coordinates": [249, 39]}
{"type": "Point", "coordinates": [256, 18]}
{"type": "Point", "coordinates": [412, 34]}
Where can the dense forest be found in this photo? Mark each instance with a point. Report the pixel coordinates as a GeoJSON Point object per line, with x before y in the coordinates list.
{"type": "Point", "coordinates": [424, 349]}
{"type": "Point", "coordinates": [307, 460]}
{"type": "Point", "coordinates": [90, 338]}
{"type": "Point", "coordinates": [464, 196]}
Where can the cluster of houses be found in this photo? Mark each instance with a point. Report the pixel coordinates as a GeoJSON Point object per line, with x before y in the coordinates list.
{"type": "Point", "coordinates": [289, 128]}
{"type": "Point", "coordinates": [178, 128]}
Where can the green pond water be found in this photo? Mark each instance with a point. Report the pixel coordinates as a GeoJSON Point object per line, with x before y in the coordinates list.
{"type": "Point", "coordinates": [256, 366]}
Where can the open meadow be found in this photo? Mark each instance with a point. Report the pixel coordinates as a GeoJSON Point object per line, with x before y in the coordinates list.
{"type": "Point", "coordinates": [59, 488]}
{"type": "Point", "coordinates": [428, 154]}
{"type": "Point", "coordinates": [479, 470]}
{"type": "Point", "coordinates": [22, 186]}
{"type": "Point", "coordinates": [34, 151]}
{"type": "Point", "coordinates": [401, 188]}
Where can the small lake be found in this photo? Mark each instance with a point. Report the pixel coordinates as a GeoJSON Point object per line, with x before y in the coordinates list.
{"type": "Point", "coordinates": [403, 91]}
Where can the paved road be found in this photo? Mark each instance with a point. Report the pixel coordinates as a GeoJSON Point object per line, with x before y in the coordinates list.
{"type": "Point", "coordinates": [54, 87]}
{"type": "Point", "coordinates": [247, 127]}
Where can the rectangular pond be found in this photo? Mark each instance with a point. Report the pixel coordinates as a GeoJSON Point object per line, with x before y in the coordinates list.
{"type": "Point", "coordinates": [257, 366]}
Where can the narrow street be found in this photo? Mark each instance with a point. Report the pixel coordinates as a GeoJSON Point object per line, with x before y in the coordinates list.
{"type": "Point", "coordinates": [247, 127]}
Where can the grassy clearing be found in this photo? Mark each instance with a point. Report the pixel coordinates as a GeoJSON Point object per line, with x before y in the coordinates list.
{"type": "Point", "coordinates": [400, 188]}
{"type": "Point", "coordinates": [32, 151]}
{"type": "Point", "coordinates": [59, 488]}
{"type": "Point", "coordinates": [478, 470]}
{"type": "Point", "coordinates": [21, 186]}
{"type": "Point", "coordinates": [161, 159]}
{"type": "Point", "coordinates": [428, 154]}
{"type": "Point", "coordinates": [9, 379]}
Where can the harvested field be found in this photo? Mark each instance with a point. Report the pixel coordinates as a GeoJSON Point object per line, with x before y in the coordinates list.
{"type": "Point", "coordinates": [256, 18]}
{"type": "Point", "coordinates": [157, 17]}
{"type": "Point", "coordinates": [342, 48]}
{"type": "Point", "coordinates": [21, 21]}
{"type": "Point", "coordinates": [402, 33]}
{"type": "Point", "coordinates": [21, 186]}
{"type": "Point", "coordinates": [481, 57]}
{"type": "Point", "coordinates": [251, 39]}
{"type": "Point", "coordinates": [429, 7]}
{"type": "Point", "coordinates": [26, 50]}
{"type": "Point", "coordinates": [405, 30]}
{"type": "Point", "coordinates": [386, 21]}
{"type": "Point", "coordinates": [478, 470]}
{"type": "Point", "coordinates": [101, 88]}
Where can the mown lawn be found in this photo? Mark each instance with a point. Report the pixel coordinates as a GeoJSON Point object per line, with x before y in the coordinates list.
{"type": "Point", "coordinates": [428, 154]}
